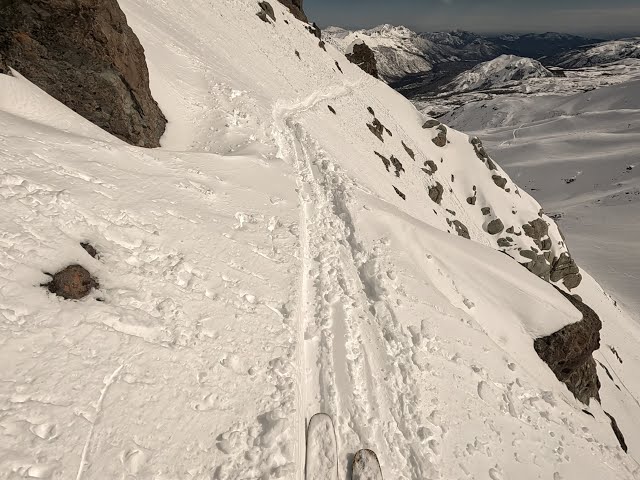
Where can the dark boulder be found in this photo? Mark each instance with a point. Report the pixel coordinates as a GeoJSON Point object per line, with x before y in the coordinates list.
{"type": "Point", "coordinates": [72, 283]}
{"type": "Point", "coordinates": [83, 53]}
{"type": "Point", "coordinates": [363, 57]}
{"type": "Point", "coordinates": [568, 352]}
{"type": "Point", "coordinates": [495, 226]}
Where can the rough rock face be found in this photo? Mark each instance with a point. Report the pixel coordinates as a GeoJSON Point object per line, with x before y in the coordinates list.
{"type": "Point", "coordinates": [568, 352]}
{"type": "Point", "coordinates": [83, 53]}
{"type": "Point", "coordinates": [564, 268]}
{"type": "Point", "coordinates": [363, 57]}
{"type": "Point", "coordinates": [295, 7]}
{"type": "Point", "coordinates": [72, 283]}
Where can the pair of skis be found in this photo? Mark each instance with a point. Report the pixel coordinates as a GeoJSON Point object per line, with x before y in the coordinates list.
{"type": "Point", "coordinates": [322, 454]}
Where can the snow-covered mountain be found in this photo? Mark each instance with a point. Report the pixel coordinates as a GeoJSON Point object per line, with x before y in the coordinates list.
{"type": "Point", "coordinates": [398, 50]}
{"type": "Point", "coordinates": [600, 54]}
{"type": "Point", "coordinates": [496, 73]}
{"type": "Point", "coordinates": [302, 242]}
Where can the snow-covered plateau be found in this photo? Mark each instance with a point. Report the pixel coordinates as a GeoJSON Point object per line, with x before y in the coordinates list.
{"type": "Point", "coordinates": [301, 242]}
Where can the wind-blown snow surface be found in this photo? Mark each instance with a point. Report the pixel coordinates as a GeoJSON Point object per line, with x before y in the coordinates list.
{"type": "Point", "coordinates": [498, 72]}
{"type": "Point", "coordinates": [260, 267]}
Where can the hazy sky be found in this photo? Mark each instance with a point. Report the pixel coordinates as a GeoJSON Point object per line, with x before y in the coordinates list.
{"type": "Point", "coordinates": [605, 18]}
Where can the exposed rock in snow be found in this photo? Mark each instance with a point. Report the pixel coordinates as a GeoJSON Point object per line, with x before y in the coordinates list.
{"type": "Point", "coordinates": [295, 7]}
{"type": "Point", "coordinates": [361, 55]}
{"type": "Point", "coordinates": [72, 283]}
{"type": "Point", "coordinates": [569, 352]}
{"type": "Point", "coordinates": [86, 56]}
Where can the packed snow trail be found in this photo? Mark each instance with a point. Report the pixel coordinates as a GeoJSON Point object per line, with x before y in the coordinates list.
{"type": "Point", "coordinates": [337, 354]}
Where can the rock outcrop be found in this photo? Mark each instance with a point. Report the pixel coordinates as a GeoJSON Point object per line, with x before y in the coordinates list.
{"type": "Point", "coordinates": [568, 352]}
{"type": "Point", "coordinates": [83, 53]}
{"type": "Point", "coordinates": [362, 56]}
{"type": "Point", "coordinates": [295, 7]}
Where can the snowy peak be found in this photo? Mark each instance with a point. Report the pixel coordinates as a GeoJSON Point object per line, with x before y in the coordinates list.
{"type": "Point", "coordinates": [497, 73]}
{"type": "Point", "coordinates": [398, 50]}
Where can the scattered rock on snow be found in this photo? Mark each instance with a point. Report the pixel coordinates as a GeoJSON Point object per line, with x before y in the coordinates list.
{"type": "Point", "coordinates": [431, 167]}
{"type": "Point", "coordinates": [617, 432]}
{"type": "Point", "coordinates": [266, 12]}
{"type": "Point", "coordinates": [315, 30]}
{"type": "Point", "coordinates": [400, 194]}
{"type": "Point", "coordinates": [481, 153]}
{"type": "Point", "coordinates": [435, 193]}
{"type": "Point", "coordinates": [499, 181]}
{"type": "Point", "coordinates": [331, 109]}
{"type": "Point", "coordinates": [564, 268]}
{"type": "Point", "coordinates": [72, 283]}
{"type": "Point", "coordinates": [485, 210]}
{"type": "Point", "coordinates": [376, 128]}
{"type": "Point", "coordinates": [409, 151]}
{"type": "Point", "coordinates": [90, 249]}
{"type": "Point", "coordinates": [440, 139]}
{"type": "Point", "coordinates": [495, 226]}
{"type": "Point", "coordinates": [85, 55]}
{"type": "Point", "coordinates": [385, 160]}
{"type": "Point", "coordinates": [568, 352]}
{"type": "Point", "coordinates": [461, 229]}
{"type": "Point", "coordinates": [397, 165]}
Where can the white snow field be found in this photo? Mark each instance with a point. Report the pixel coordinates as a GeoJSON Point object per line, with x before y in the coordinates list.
{"type": "Point", "coordinates": [260, 267]}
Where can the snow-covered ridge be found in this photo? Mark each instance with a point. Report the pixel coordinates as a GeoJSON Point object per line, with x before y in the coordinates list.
{"type": "Point", "coordinates": [497, 73]}
{"type": "Point", "coordinates": [398, 50]}
{"type": "Point", "coordinates": [302, 242]}
{"type": "Point", "coordinates": [604, 53]}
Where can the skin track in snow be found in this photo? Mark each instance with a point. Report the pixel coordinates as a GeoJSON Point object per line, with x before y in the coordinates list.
{"type": "Point", "coordinates": [366, 466]}
{"type": "Point", "coordinates": [322, 457]}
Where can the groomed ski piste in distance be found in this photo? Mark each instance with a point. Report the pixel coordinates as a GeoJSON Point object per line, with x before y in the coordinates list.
{"type": "Point", "coordinates": [274, 260]}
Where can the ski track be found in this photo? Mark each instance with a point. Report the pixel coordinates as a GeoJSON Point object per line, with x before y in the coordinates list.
{"type": "Point", "coordinates": [336, 356]}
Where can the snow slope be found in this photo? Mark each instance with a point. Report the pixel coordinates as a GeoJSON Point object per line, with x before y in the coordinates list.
{"type": "Point", "coordinates": [496, 73]}
{"type": "Point", "coordinates": [579, 155]}
{"type": "Point", "coordinates": [261, 267]}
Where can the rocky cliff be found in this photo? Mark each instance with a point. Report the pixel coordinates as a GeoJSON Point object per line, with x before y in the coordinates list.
{"type": "Point", "coordinates": [83, 53]}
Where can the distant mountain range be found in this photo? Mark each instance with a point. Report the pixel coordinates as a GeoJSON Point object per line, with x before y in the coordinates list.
{"type": "Point", "coordinates": [400, 51]}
